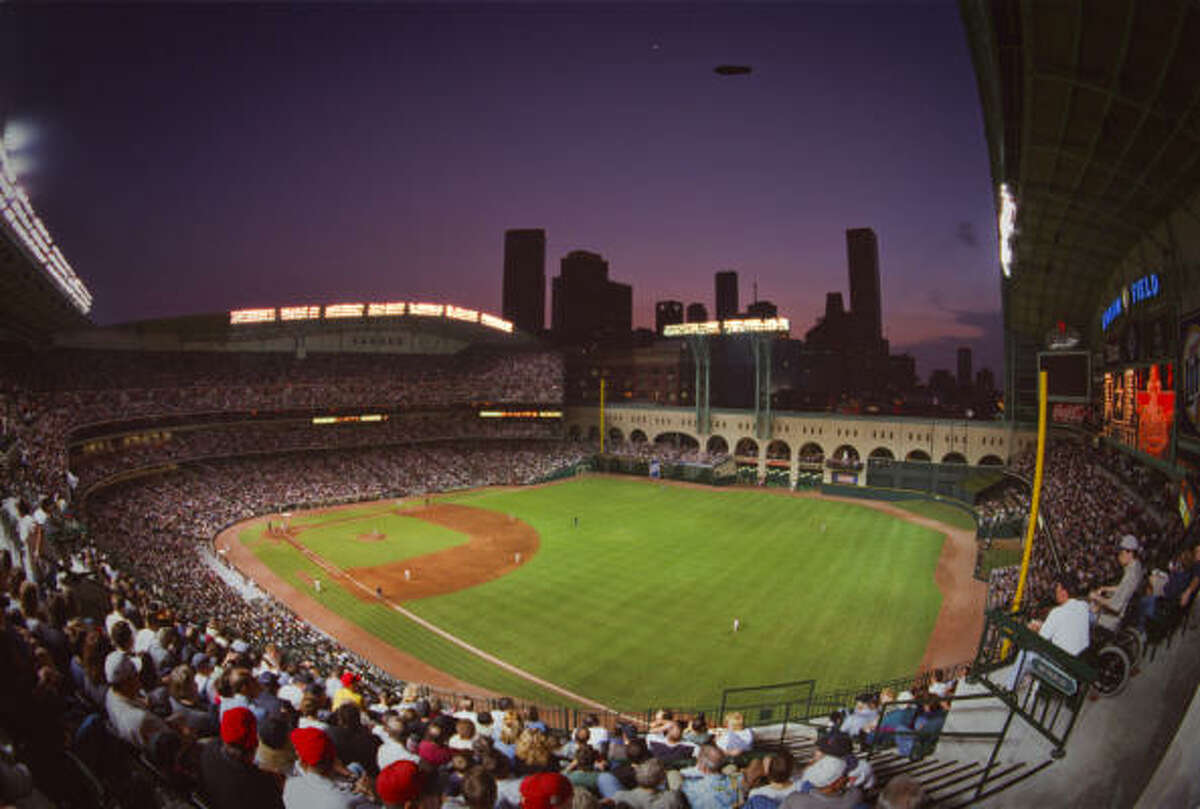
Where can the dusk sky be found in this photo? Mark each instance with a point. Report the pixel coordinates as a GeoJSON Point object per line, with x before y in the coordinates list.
{"type": "Point", "coordinates": [201, 158]}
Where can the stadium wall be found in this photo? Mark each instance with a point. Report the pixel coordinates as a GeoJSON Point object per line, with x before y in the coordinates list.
{"type": "Point", "coordinates": [796, 434]}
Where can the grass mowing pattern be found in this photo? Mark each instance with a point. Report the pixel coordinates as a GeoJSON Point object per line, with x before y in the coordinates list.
{"type": "Point", "coordinates": [950, 515]}
{"type": "Point", "coordinates": [388, 625]}
{"type": "Point", "coordinates": [635, 606]}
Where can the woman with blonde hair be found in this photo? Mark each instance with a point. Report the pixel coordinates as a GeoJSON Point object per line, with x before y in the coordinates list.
{"type": "Point", "coordinates": [510, 731]}
{"type": "Point", "coordinates": [535, 752]}
{"type": "Point", "coordinates": [735, 738]}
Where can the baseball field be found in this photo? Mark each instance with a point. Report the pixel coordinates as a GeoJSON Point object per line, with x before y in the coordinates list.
{"type": "Point", "coordinates": [621, 591]}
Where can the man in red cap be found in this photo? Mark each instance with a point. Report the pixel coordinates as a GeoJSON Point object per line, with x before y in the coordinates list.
{"type": "Point", "coordinates": [316, 784]}
{"type": "Point", "coordinates": [228, 777]}
{"type": "Point", "coordinates": [399, 785]}
{"type": "Point", "coordinates": [545, 790]}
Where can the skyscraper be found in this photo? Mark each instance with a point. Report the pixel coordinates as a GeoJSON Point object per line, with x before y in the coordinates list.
{"type": "Point", "coordinates": [524, 300]}
{"type": "Point", "coordinates": [585, 305]}
{"type": "Point", "coordinates": [862, 254]}
{"type": "Point", "coordinates": [964, 367]}
{"type": "Point", "coordinates": [667, 313]}
{"type": "Point", "coordinates": [727, 294]}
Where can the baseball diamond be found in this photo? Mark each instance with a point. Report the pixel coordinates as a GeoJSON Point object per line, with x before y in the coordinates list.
{"type": "Point", "coordinates": [641, 550]}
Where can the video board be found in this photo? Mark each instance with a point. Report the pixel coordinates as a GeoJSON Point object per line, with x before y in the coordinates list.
{"type": "Point", "coordinates": [1139, 407]}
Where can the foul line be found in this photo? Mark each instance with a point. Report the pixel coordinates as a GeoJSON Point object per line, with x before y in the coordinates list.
{"type": "Point", "coordinates": [332, 569]}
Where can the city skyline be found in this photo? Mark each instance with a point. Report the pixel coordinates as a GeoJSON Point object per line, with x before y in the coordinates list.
{"type": "Point", "coordinates": [195, 159]}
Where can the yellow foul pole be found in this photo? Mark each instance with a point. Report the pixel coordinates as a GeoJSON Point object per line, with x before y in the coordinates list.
{"type": "Point", "coordinates": [601, 415]}
{"type": "Point", "coordinates": [1037, 491]}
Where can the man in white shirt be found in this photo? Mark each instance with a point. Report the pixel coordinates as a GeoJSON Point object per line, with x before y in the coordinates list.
{"type": "Point", "coordinates": [1067, 626]}
{"type": "Point", "coordinates": [129, 717]}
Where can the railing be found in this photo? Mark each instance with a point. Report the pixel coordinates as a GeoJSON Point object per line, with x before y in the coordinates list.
{"type": "Point", "coordinates": [1062, 679]}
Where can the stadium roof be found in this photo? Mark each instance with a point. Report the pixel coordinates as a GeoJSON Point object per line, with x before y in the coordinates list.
{"type": "Point", "coordinates": [32, 307]}
{"type": "Point", "coordinates": [1092, 113]}
{"type": "Point", "coordinates": [403, 334]}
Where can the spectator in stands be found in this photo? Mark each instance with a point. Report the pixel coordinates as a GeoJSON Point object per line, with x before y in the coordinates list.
{"type": "Point", "coordinates": [1067, 626]}
{"type": "Point", "coordinates": [228, 778]}
{"type": "Point", "coordinates": [534, 752]}
{"type": "Point", "coordinates": [670, 748]}
{"type": "Point", "coordinates": [316, 782]}
{"type": "Point", "coordinates": [698, 732]}
{"type": "Point", "coordinates": [1109, 603]}
{"type": "Point", "coordinates": [777, 772]}
{"type": "Point", "coordinates": [400, 784]}
{"type": "Point", "coordinates": [185, 703]}
{"type": "Point", "coordinates": [735, 738]}
{"type": "Point", "coordinates": [826, 782]}
{"type": "Point", "coordinates": [464, 735]}
{"type": "Point", "coordinates": [705, 785]}
{"type": "Point", "coordinates": [581, 771]}
{"type": "Point", "coordinates": [866, 712]}
{"type": "Point", "coordinates": [650, 791]}
{"type": "Point", "coordinates": [546, 790]}
{"type": "Point", "coordinates": [127, 713]}
{"type": "Point", "coordinates": [275, 754]}
{"type": "Point", "coordinates": [355, 744]}
{"type": "Point", "coordinates": [349, 691]}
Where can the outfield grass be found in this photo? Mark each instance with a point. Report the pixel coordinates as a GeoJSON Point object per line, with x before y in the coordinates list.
{"type": "Point", "coordinates": [942, 512]}
{"type": "Point", "coordinates": [634, 607]}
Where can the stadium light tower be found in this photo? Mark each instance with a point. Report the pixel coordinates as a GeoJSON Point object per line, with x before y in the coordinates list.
{"type": "Point", "coordinates": [762, 333]}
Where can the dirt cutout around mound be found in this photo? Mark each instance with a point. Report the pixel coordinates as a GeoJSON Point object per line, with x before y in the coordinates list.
{"type": "Point", "coordinates": [496, 545]}
{"type": "Point", "coordinates": [495, 540]}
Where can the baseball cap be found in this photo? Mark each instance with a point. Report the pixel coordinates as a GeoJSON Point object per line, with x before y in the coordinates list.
{"type": "Point", "coordinates": [545, 790]}
{"type": "Point", "coordinates": [200, 659]}
{"type": "Point", "coordinates": [349, 678]}
{"type": "Point", "coordinates": [1129, 543]}
{"type": "Point", "coordinates": [398, 782]}
{"type": "Point", "coordinates": [239, 728]}
{"type": "Point", "coordinates": [312, 745]}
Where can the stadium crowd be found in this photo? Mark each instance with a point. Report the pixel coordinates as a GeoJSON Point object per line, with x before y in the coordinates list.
{"type": "Point", "coordinates": [66, 390]}
{"type": "Point", "coordinates": [1088, 511]}
{"type": "Point", "coordinates": [99, 459]}
{"type": "Point", "coordinates": [167, 671]}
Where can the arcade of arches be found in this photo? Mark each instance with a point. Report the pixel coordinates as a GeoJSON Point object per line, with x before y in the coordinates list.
{"type": "Point", "coordinates": [811, 439]}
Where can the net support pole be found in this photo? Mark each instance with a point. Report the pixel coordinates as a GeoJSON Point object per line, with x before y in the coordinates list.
{"type": "Point", "coordinates": [1037, 492]}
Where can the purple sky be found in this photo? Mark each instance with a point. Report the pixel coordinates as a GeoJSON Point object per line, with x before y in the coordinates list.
{"type": "Point", "coordinates": [200, 158]}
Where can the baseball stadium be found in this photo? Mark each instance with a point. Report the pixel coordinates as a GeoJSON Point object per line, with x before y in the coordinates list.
{"type": "Point", "coordinates": [388, 520]}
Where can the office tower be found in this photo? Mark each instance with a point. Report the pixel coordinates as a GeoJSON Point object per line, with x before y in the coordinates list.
{"type": "Point", "coordinates": [862, 254]}
{"type": "Point", "coordinates": [763, 309]}
{"type": "Point", "coordinates": [964, 367]}
{"type": "Point", "coordinates": [697, 313]}
{"type": "Point", "coordinates": [667, 313]}
{"type": "Point", "coordinates": [727, 294]}
{"type": "Point", "coordinates": [524, 300]}
{"type": "Point", "coordinates": [586, 306]}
